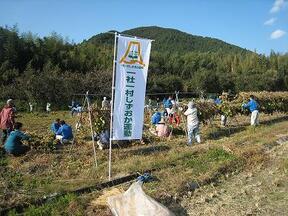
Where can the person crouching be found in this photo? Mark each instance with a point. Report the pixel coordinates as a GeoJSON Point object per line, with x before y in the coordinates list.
{"type": "Point", "coordinates": [64, 133]}
{"type": "Point", "coordinates": [192, 123]}
{"type": "Point", "coordinates": [162, 129]}
{"type": "Point", "coordinates": [55, 126]}
{"type": "Point", "coordinates": [13, 144]}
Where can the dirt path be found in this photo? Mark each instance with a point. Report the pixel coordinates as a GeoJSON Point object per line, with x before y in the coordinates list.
{"type": "Point", "coordinates": [261, 191]}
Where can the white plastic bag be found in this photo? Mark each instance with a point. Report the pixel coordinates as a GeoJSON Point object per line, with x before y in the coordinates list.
{"type": "Point", "coordinates": [134, 202]}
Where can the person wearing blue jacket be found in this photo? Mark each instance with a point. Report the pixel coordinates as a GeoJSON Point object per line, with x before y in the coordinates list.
{"type": "Point", "coordinates": [55, 126]}
{"type": "Point", "coordinates": [13, 144]}
{"type": "Point", "coordinates": [168, 103]}
{"type": "Point", "coordinates": [156, 117]}
{"type": "Point", "coordinates": [253, 106]}
{"type": "Point", "coordinates": [64, 133]}
{"type": "Point", "coordinates": [217, 100]}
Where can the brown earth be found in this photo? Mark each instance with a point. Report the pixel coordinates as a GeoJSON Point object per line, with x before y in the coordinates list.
{"type": "Point", "coordinates": [262, 190]}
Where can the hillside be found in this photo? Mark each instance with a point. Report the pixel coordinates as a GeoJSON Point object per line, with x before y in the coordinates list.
{"type": "Point", "coordinates": [30, 65]}
{"type": "Point", "coordinates": [172, 40]}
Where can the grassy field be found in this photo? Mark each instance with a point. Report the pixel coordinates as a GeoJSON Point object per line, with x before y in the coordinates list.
{"type": "Point", "coordinates": [233, 149]}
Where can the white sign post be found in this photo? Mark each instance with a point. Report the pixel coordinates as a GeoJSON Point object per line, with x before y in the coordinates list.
{"type": "Point", "coordinates": [128, 98]}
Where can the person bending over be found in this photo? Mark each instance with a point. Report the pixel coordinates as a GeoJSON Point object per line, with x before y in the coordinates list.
{"type": "Point", "coordinates": [55, 126]}
{"type": "Point", "coordinates": [13, 144]}
{"type": "Point", "coordinates": [64, 133]}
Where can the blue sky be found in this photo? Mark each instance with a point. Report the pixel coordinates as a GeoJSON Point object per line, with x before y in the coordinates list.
{"type": "Point", "coordinates": [240, 22]}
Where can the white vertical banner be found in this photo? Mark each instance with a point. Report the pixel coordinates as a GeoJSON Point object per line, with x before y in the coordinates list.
{"type": "Point", "coordinates": [130, 86]}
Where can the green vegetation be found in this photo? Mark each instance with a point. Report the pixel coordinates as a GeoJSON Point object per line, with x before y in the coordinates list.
{"type": "Point", "coordinates": [53, 69]}
{"type": "Point", "coordinates": [172, 40]}
{"type": "Point", "coordinates": [61, 206]}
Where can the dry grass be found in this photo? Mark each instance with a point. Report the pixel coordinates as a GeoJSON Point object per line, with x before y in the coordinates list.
{"type": "Point", "coordinates": [175, 163]}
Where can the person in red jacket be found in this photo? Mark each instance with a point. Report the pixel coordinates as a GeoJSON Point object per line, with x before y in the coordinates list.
{"type": "Point", "coordinates": [7, 120]}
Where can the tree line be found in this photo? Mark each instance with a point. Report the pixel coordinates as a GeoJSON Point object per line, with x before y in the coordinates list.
{"type": "Point", "coordinates": [52, 69]}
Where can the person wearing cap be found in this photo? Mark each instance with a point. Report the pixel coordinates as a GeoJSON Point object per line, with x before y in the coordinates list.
{"type": "Point", "coordinates": [13, 144]}
{"type": "Point", "coordinates": [253, 106]}
{"type": "Point", "coordinates": [192, 123]}
{"type": "Point", "coordinates": [162, 130]}
{"type": "Point", "coordinates": [7, 120]}
{"type": "Point", "coordinates": [105, 104]}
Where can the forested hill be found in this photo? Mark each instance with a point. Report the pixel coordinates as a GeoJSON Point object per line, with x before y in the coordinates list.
{"type": "Point", "coordinates": [52, 69]}
{"type": "Point", "coordinates": [172, 40]}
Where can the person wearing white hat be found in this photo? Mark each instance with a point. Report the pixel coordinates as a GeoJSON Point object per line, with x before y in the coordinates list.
{"type": "Point", "coordinates": [105, 104]}
{"type": "Point", "coordinates": [192, 123]}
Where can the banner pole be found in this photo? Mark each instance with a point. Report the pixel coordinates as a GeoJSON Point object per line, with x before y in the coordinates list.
{"type": "Point", "coordinates": [112, 106]}
{"type": "Point", "coordinates": [91, 127]}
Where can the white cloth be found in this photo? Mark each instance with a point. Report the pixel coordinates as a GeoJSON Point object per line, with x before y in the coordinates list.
{"type": "Point", "coordinates": [192, 118]}
{"type": "Point", "coordinates": [255, 118]}
{"type": "Point", "coordinates": [130, 86]}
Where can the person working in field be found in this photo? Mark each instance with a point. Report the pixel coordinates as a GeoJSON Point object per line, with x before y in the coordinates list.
{"type": "Point", "coordinates": [55, 126]}
{"type": "Point", "coordinates": [13, 144]}
{"type": "Point", "coordinates": [168, 104]}
{"type": "Point", "coordinates": [48, 107]}
{"type": "Point", "coordinates": [173, 116]}
{"type": "Point", "coordinates": [30, 107]}
{"type": "Point", "coordinates": [7, 120]}
{"type": "Point", "coordinates": [76, 108]}
{"type": "Point", "coordinates": [103, 140]}
{"type": "Point", "coordinates": [162, 129]}
{"type": "Point", "coordinates": [156, 117]}
{"type": "Point", "coordinates": [253, 106]}
{"type": "Point", "coordinates": [64, 133]}
{"type": "Point", "coordinates": [192, 123]}
{"type": "Point", "coordinates": [73, 107]}
{"type": "Point", "coordinates": [105, 104]}
{"type": "Point", "coordinates": [219, 102]}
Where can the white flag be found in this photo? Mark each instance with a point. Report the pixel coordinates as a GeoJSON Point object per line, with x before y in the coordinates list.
{"type": "Point", "coordinates": [130, 87]}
